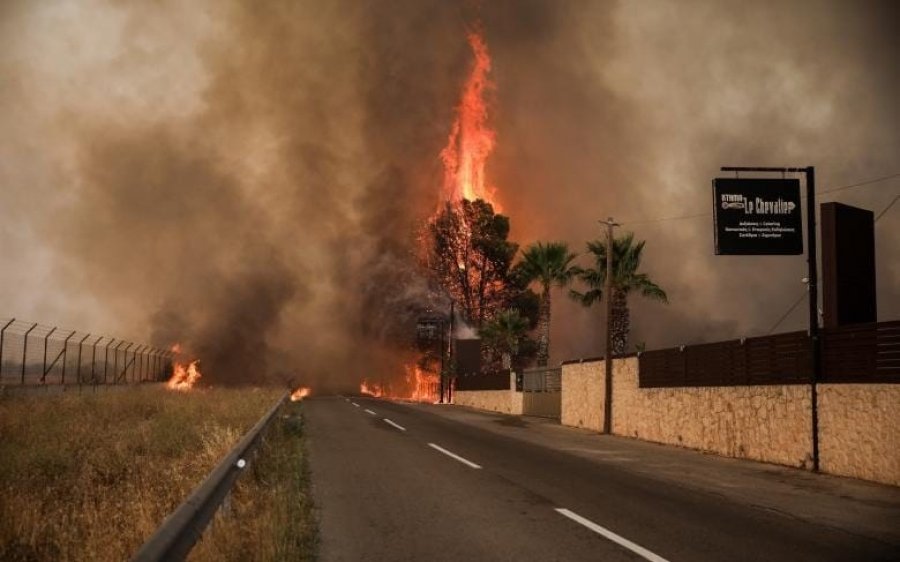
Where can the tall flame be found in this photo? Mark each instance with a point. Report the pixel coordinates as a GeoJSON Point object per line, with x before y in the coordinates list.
{"type": "Point", "coordinates": [471, 139]}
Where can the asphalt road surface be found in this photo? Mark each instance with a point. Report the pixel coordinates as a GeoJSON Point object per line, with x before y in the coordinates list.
{"type": "Point", "coordinates": [394, 481]}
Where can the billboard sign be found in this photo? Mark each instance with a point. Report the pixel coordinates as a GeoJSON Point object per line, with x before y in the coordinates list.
{"type": "Point", "coordinates": [757, 216]}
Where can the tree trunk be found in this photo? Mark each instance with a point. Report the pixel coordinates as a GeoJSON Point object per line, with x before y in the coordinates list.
{"type": "Point", "coordinates": [621, 323]}
{"type": "Point", "coordinates": [543, 354]}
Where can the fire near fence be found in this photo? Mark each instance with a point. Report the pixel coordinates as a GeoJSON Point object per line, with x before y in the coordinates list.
{"type": "Point", "coordinates": [35, 354]}
{"type": "Point", "coordinates": [861, 353]}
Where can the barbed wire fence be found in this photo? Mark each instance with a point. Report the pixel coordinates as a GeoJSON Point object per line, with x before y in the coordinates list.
{"type": "Point", "coordinates": [33, 354]}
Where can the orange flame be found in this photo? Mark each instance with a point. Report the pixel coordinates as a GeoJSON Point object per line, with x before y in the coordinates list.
{"type": "Point", "coordinates": [371, 389]}
{"type": "Point", "coordinates": [184, 377]}
{"type": "Point", "coordinates": [419, 386]}
{"type": "Point", "coordinates": [301, 393]}
{"type": "Point", "coordinates": [471, 139]}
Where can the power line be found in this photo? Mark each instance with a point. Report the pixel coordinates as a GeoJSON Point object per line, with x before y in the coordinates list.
{"type": "Point", "coordinates": [862, 183]}
{"type": "Point", "coordinates": [891, 204]}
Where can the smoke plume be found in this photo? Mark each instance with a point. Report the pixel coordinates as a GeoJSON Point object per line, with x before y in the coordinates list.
{"type": "Point", "coordinates": [252, 181]}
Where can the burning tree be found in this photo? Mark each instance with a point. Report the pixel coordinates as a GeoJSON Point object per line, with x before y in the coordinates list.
{"type": "Point", "coordinates": [471, 257]}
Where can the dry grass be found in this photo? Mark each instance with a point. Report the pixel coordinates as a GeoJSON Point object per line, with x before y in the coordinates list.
{"type": "Point", "coordinates": [91, 476]}
{"type": "Point", "coordinates": [270, 511]}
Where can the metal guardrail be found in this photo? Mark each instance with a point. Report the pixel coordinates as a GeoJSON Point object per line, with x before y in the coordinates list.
{"type": "Point", "coordinates": [181, 530]}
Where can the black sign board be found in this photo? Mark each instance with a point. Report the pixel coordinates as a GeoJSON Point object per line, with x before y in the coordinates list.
{"type": "Point", "coordinates": [757, 216]}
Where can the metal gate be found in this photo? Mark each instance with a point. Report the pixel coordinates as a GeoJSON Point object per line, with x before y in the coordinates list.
{"type": "Point", "coordinates": [542, 392]}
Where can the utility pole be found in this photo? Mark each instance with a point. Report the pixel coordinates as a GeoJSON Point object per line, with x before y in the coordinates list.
{"type": "Point", "coordinates": [608, 291]}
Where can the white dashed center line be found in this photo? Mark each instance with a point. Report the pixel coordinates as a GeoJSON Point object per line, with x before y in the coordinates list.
{"type": "Point", "coordinates": [355, 404]}
{"type": "Point", "coordinates": [621, 541]}
{"type": "Point", "coordinates": [453, 456]}
{"type": "Point", "coordinates": [370, 412]}
{"type": "Point", "coordinates": [398, 426]}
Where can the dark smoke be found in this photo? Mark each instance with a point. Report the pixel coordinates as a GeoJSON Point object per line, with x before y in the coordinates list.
{"type": "Point", "coordinates": [252, 181]}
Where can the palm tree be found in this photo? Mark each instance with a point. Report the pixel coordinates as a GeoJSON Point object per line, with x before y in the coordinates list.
{"type": "Point", "coordinates": [547, 264]}
{"type": "Point", "coordinates": [626, 261]}
{"type": "Point", "coordinates": [504, 333]}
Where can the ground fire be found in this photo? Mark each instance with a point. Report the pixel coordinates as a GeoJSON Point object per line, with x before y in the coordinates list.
{"type": "Point", "coordinates": [184, 376]}
{"type": "Point", "coordinates": [301, 393]}
{"type": "Point", "coordinates": [417, 385]}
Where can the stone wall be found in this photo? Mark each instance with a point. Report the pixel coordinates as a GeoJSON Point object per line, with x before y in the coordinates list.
{"type": "Point", "coordinates": [583, 395]}
{"type": "Point", "coordinates": [503, 401]}
{"type": "Point", "coordinates": [859, 424]}
{"type": "Point", "coordinates": [859, 431]}
{"type": "Point", "coordinates": [765, 423]}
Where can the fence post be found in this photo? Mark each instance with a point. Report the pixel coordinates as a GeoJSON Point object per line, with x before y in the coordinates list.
{"type": "Point", "coordinates": [80, 345]}
{"type": "Point", "coordinates": [125, 359]}
{"type": "Point", "coordinates": [106, 358]}
{"type": "Point", "coordinates": [2, 332]}
{"type": "Point", "coordinates": [134, 362]}
{"type": "Point", "coordinates": [44, 368]}
{"type": "Point", "coordinates": [65, 357]}
{"type": "Point", "coordinates": [116, 362]}
{"type": "Point", "coordinates": [25, 349]}
{"type": "Point", "coordinates": [94, 360]}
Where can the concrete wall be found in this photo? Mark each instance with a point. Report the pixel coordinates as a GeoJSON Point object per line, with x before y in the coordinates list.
{"type": "Point", "coordinates": [859, 431]}
{"type": "Point", "coordinates": [503, 401]}
{"type": "Point", "coordinates": [859, 425]}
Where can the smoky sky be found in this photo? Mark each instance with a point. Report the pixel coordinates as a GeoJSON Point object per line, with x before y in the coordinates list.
{"type": "Point", "coordinates": [252, 180]}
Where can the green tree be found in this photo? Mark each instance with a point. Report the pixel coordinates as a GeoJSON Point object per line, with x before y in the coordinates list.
{"type": "Point", "coordinates": [625, 280]}
{"type": "Point", "coordinates": [471, 257]}
{"type": "Point", "coordinates": [504, 334]}
{"type": "Point", "coordinates": [547, 264]}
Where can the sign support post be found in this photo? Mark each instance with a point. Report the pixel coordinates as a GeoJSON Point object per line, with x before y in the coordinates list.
{"type": "Point", "coordinates": [812, 279]}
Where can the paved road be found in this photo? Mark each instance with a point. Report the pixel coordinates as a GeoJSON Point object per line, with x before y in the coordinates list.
{"type": "Point", "coordinates": [400, 482]}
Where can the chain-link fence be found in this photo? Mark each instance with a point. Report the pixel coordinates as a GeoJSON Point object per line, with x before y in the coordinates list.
{"type": "Point", "coordinates": [35, 354]}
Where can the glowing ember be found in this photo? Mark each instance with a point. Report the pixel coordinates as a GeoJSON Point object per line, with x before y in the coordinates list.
{"type": "Point", "coordinates": [471, 139]}
{"type": "Point", "coordinates": [300, 393]}
{"type": "Point", "coordinates": [184, 377]}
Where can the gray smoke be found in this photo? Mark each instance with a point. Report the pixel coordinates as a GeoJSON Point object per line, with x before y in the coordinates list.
{"type": "Point", "coordinates": [252, 182]}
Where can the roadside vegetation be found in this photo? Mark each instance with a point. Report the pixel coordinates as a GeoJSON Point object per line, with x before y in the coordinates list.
{"type": "Point", "coordinates": [90, 476]}
{"type": "Point", "coordinates": [269, 515]}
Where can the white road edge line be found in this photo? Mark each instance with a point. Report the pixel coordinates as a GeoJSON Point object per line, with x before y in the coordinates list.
{"type": "Point", "coordinates": [398, 426]}
{"type": "Point", "coordinates": [355, 404]}
{"type": "Point", "coordinates": [621, 541]}
{"type": "Point", "coordinates": [454, 456]}
{"type": "Point", "coordinates": [370, 412]}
